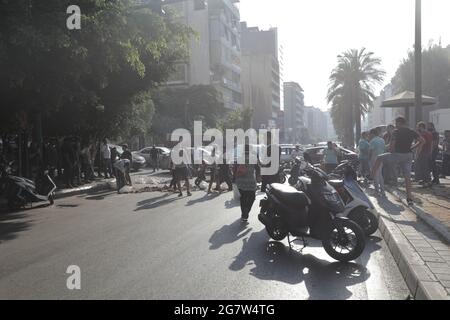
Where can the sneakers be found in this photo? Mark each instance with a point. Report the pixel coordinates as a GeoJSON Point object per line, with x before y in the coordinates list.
{"type": "Point", "coordinates": [410, 202]}
{"type": "Point", "coordinates": [189, 194]}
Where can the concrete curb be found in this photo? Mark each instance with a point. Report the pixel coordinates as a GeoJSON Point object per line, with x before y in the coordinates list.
{"type": "Point", "coordinates": [422, 214]}
{"type": "Point", "coordinates": [419, 279]}
{"type": "Point", "coordinates": [64, 193]}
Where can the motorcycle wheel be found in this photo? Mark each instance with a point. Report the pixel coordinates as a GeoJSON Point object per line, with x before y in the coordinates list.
{"type": "Point", "coordinates": [292, 181]}
{"type": "Point", "coordinates": [277, 231]}
{"type": "Point", "coordinates": [345, 241]}
{"type": "Point", "coordinates": [282, 178]}
{"type": "Point", "coordinates": [366, 220]}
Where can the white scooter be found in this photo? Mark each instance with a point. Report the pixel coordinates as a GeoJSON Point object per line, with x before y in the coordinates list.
{"type": "Point", "coordinates": [358, 206]}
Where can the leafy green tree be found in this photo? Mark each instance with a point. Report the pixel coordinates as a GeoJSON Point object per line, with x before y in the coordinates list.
{"type": "Point", "coordinates": [180, 107]}
{"type": "Point", "coordinates": [351, 91]}
{"type": "Point", "coordinates": [117, 57]}
{"type": "Point", "coordinates": [435, 74]}
{"type": "Point", "coordinates": [238, 119]}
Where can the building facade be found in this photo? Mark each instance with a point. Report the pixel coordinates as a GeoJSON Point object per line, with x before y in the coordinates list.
{"type": "Point", "coordinates": [316, 123]}
{"type": "Point", "coordinates": [215, 53]}
{"type": "Point", "coordinates": [261, 75]}
{"type": "Point", "coordinates": [294, 109]}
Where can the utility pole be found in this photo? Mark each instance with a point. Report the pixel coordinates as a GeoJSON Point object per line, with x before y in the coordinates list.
{"type": "Point", "coordinates": [418, 61]}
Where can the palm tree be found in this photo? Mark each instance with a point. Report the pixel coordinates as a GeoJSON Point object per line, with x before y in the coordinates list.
{"type": "Point", "coordinates": [351, 91]}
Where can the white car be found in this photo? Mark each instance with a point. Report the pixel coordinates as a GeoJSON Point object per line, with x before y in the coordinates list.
{"type": "Point", "coordinates": [164, 156]}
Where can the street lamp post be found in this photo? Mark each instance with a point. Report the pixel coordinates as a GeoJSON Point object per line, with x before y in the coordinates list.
{"type": "Point", "coordinates": [418, 62]}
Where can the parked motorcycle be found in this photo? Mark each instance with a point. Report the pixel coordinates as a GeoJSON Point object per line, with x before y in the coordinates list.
{"type": "Point", "coordinates": [315, 212]}
{"type": "Point", "coordinates": [358, 206]}
{"type": "Point", "coordinates": [20, 191]}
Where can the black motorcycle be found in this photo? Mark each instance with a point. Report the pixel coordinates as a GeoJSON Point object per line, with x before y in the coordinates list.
{"type": "Point", "coordinates": [315, 212]}
{"type": "Point", "coordinates": [20, 191]}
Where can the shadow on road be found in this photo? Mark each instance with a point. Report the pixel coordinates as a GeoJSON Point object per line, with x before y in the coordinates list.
{"type": "Point", "coordinates": [155, 202]}
{"type": "Point", "coordinates": [275, 261]}
{"type": "Point", "coordinates": [99, 195]}
{"type": "Point", "coordinates": [228, 234]}
{"type": "Point", "coordinates": [205, 198]}
{"type": "Point", "coordinates": [10, 227]}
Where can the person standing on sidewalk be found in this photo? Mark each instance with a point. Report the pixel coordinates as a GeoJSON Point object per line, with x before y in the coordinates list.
{"type": "Point", "coordinates": [363, 148]}
{"type": "Point", "coordinates": [389, 170]}
{"type": "Point", "coordinates": [434, 152]}
{"type": "Point", "coordinates": [377, 148]}
{"type": "Point", "coordinates": [402, 148]}
{"type": "Point", "coordinates": [105, 153]}
{"type": "Point", "coordinates": [423, 160]}
{"type": "Point", "coordinates": [246, 176]}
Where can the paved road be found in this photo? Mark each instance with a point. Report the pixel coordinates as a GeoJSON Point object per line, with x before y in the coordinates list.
{"type": "Point", "coordinates": [159, 246]}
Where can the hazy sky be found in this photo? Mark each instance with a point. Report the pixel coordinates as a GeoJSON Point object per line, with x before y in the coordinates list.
{"type": "Point", "coordinates": [314, 32]}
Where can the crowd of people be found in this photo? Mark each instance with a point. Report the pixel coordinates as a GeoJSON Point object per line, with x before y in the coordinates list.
{"type": "Point", "coordinates": [382, 157]}
{"type": "Point", "coordinates": [70, 161]}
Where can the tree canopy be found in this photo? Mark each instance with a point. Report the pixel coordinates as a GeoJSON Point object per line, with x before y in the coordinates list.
{"type": "Point", "coordinates": [95, 80]}
{"type": "Point", "coordinates": [435, 74]}
{"type": "Point", "coordinates": [351, 91]}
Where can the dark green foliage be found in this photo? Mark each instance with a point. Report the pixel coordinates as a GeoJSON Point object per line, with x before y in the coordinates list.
{"type": "Point", "coordinates": [116, 58]}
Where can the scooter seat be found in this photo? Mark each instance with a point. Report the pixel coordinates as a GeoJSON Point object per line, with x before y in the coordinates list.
{"type": "Point", "coordinates": [336, 183]}
{"type": "Point", "coordinates": [288, 195]}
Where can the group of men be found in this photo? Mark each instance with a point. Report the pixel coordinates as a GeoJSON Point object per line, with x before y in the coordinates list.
{"type": "Point", "coordinates": [381, 157]}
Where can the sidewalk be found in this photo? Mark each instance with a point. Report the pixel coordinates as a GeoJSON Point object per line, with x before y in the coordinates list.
{"type": "Point", "coordinates": [420, 252]}
{"type": "Point", "coordinates": [431, 204]}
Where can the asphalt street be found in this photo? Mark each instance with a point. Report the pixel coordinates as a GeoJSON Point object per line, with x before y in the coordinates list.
{"type": "Point", "coordinates": [159, 246]}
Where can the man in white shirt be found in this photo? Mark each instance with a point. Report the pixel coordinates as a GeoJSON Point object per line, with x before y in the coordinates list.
{"type": "Point", "coordinates": [105, 153]}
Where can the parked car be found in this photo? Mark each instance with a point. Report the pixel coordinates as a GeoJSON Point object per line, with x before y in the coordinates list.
{"type": "Point", "coordinates": [315, 155]}
{"type": "Point", "coordinates": [164, 156]}
{"type": "Point", "coordinates": [286, 152]}
{"type": "Point", "coordinates": [138, 162]}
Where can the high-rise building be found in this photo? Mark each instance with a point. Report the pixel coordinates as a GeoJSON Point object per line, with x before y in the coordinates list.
{"type": "Point", "coordinates": [225, 50]}
{"type": "Point", "coordinates": [197, 69]}
{"type": "Point", "coordinates": [316, 123]}
{"type": "Point", "coordinates": [261, 75]}
{"type": "Point", "coordinates": [215, 53]}
{"type": "Point", "coordinates": [294, 106]}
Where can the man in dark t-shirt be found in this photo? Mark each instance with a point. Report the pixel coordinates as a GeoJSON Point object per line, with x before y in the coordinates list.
{"type": "Point", "coordinates": [401, 155]}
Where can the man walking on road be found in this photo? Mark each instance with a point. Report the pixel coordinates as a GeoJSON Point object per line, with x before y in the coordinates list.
{"type": "Point", "coordinates": [154, 156]}
{"type": "Point", "coordinates": [402, 148]}
{"type": "Point", "coordinates": [246, 176]}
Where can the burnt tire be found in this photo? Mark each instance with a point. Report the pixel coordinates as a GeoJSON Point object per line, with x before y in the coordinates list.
{"type": "Point", "coordinates": [365, 219]}
{"type": "Point", "coordinates": [344, 234]}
